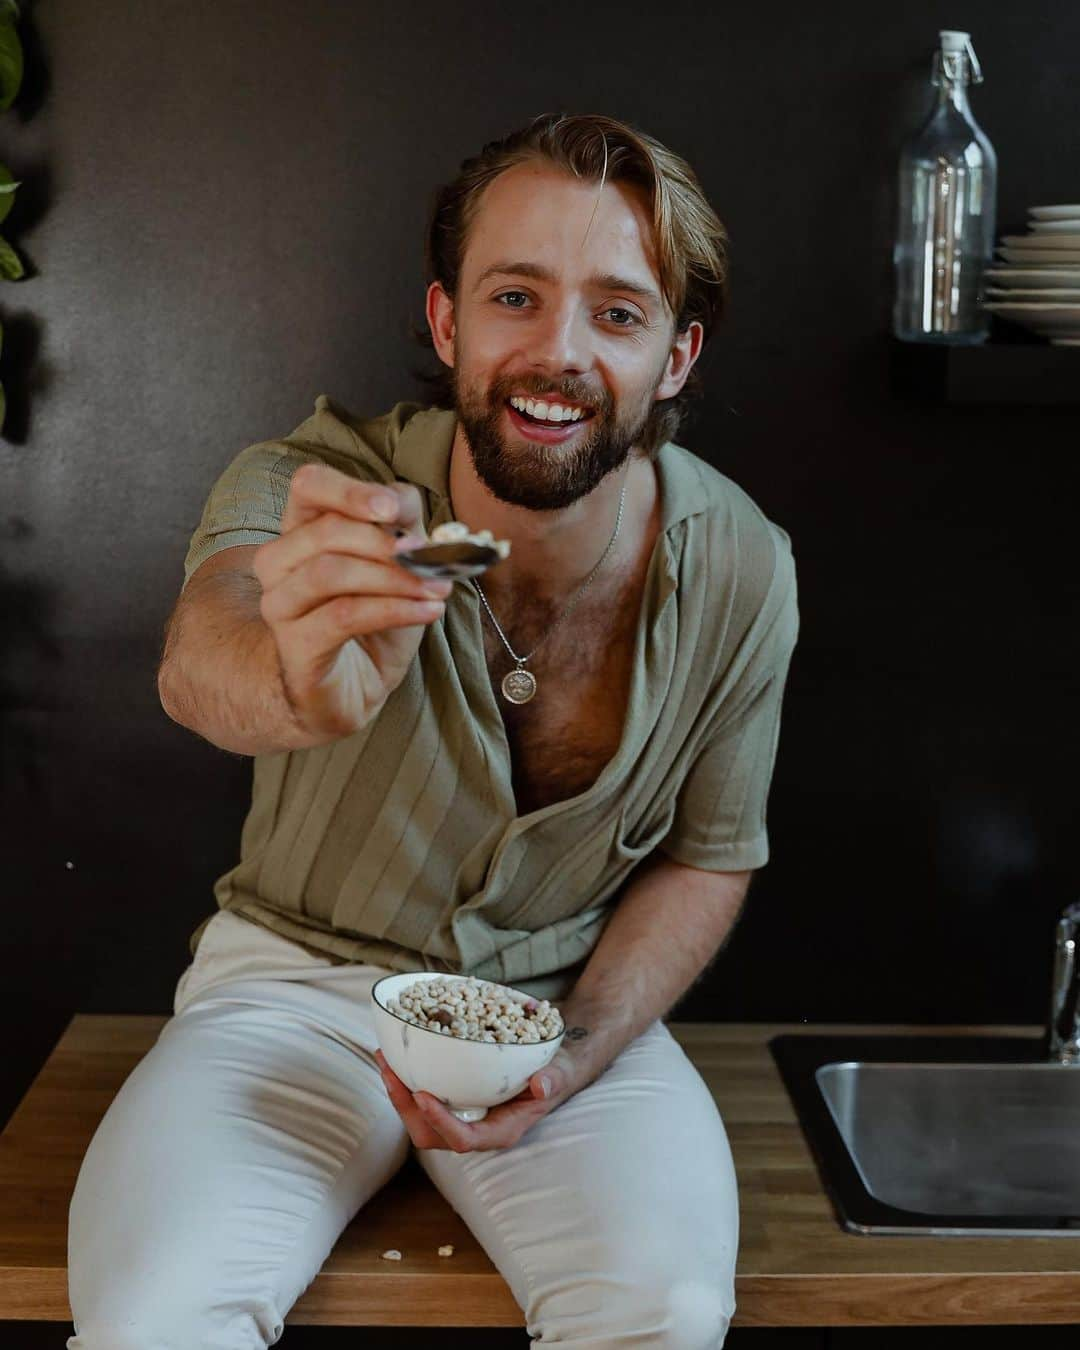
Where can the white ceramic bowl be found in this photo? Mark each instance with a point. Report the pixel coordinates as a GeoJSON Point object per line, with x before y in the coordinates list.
{"type": "Point", "coordinates": [469, 1076]}
{"type": "Point", "coordinates": [1056, 256]}
{"type": "Point", "coordinates": [1020, 277]}
{"type": "Point", "coordinates": [1056, 212]}
{"type": "Point", "coordinates": [1059, 323]}
{"type": "Point", "coordinates": [1055, 226]}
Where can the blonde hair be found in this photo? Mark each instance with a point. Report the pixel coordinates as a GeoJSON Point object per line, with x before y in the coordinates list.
{"type": "Point", "coordinates": [691, 242]}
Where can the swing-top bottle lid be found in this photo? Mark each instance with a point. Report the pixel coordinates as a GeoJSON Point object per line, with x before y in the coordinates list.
{"type": "Point", "coordinates": [952, 40]}
{"type": "Point", "coordinates": [954, 43]}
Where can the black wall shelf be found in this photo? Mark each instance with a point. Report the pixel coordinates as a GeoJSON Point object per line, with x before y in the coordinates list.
{"type": "Point", "coordinates": [1032, 374]}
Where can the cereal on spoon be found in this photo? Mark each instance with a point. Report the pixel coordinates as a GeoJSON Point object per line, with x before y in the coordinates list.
{"type": "Point", "coordinates": [456, 532]}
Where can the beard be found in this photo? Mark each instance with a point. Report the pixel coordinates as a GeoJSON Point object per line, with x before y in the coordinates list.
{"type": "Point", "coordinates": [546, 477]}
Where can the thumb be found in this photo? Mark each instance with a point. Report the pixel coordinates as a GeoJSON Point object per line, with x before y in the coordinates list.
{"type": "Point", "coordinates": [544, 1084]}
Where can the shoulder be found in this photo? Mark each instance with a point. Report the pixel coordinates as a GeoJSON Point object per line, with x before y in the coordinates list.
{"type": "Point", "coordinates": [726, 529]}
{"type": "Point", "coordinates": [248, 500]}
{"type": "Point", "coordinates": [333, 435]}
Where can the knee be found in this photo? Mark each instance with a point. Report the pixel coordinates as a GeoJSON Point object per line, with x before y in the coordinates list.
{"type": "Point", "coordinates": [142, 1323]}
{"type": "Point", "coordinates": [668, 1313]}
{"type": "Point", "coordinates": [105, 1334]}
{"type": "Point", "coordinates": [684, 1314]}
{"type": "Point", "coordinates": [699, 1315]}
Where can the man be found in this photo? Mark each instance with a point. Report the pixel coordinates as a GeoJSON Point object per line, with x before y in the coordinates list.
{"type": "Point", "coordinates": [584, 830]}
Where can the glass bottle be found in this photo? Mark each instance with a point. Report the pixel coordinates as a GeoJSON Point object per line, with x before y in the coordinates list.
{"type": "Point", "coordinates": [947, 201]}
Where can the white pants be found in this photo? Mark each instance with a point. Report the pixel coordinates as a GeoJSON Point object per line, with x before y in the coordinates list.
{"type": "Point", "coordinates": [258, 1125]}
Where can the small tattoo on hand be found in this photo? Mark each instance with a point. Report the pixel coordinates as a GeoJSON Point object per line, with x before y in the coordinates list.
{"type": "Point", "coordinates": [576, 1034]}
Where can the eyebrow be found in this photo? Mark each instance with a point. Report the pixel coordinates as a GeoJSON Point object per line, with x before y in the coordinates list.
{"type": "Point", "coordinates": [605, 281]}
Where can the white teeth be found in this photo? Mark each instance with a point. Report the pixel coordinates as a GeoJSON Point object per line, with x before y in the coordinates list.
{"type": "Point", "coordinates": [549, 412]}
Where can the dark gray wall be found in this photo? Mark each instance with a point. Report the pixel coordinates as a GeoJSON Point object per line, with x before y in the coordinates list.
{"type": "Point", "coordinates": [224, 207]}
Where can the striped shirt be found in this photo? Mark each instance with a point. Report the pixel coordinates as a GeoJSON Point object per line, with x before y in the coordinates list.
{"type": "Point", "coordinates": [401, 846]}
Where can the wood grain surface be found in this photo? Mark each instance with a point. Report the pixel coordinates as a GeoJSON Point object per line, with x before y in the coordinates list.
{"type": "Point", "coordinates": [797, 1266]}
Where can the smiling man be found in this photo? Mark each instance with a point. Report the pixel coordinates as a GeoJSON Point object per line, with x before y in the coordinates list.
{"type": "Point", "coordinates": [554, 776]}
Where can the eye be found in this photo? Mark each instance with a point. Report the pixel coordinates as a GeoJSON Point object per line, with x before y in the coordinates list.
{"type": "Point", "coordinates": [629, 320]}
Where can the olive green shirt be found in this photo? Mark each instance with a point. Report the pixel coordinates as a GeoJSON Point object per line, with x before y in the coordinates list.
{"type": "Point", "coordinates": [401, 845]}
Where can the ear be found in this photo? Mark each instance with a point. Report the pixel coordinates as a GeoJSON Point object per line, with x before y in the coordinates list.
{"type": "Point", "coordinates": [680, 362]}
{"type": "Point", "coordinates": [440, 317]}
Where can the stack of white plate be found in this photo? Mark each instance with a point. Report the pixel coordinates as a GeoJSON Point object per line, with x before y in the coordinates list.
{"type": "Point", "coordinates": [1038, 284]}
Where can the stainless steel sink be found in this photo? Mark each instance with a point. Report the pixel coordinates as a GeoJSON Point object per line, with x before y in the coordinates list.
{"type": "Point", "coordinates": [1001, 1140]}
{"type": "Point", "coordinates": [961, 1135]}
{"type": "Point", "coordinates": [941, 1135]}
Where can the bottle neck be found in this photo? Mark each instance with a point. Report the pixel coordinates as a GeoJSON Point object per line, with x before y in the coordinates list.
{"type": "Point", "coordinates": [952, 74]}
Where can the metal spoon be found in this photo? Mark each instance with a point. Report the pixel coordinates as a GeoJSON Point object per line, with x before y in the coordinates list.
{"type": "Point", "coordinates": [455, 561]}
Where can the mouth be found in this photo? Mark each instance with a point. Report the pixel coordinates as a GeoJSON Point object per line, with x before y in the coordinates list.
{"type": "Point", "coordinates": [548, 433]}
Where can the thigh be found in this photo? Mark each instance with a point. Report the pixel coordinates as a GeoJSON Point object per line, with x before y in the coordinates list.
{"type": "Point", "coordinates": [616, 1217]}
{"type": "Point", "coordinates": [225, 1169]}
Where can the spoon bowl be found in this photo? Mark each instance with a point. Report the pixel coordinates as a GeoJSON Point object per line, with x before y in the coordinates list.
{"type": "Point", "coordinates": [452, 561]}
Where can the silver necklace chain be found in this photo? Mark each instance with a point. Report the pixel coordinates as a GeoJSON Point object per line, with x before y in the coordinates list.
{"type": "Point", "coordinates": [519, 686]}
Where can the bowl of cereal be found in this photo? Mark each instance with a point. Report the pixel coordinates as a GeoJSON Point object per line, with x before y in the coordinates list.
{"type": "Point", "coordinates": [469, 1042]}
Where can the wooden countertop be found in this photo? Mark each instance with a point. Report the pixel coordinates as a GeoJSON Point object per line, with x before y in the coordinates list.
{"type": "Point", "coordinates": [796, 1267]}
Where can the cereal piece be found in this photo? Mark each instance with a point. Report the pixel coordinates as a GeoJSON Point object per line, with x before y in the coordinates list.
{"type": "Point", "coordinates": [477, 1010]}
{"type": "Point", "coordinates": [457, 532]}
{"type": "Point", "coordinates": [448, 1250]}
{"type": "Point", "coordinates": [452, 532]}
{"type": "Point", "coordinates": [391, 1255]}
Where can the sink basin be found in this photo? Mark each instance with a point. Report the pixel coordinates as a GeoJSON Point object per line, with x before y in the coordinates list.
{"type": "Point", "coordinates": [940, 1135]}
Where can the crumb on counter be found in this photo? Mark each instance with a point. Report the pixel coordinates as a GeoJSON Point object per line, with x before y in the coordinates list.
{"type": "Point", "coordinates": [392, 1255]}
{"type": "Point", "coordinates": [448, 1250]}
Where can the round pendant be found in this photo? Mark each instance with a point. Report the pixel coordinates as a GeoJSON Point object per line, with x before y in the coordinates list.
{"type": "Point", "coordinates": [519, 686]}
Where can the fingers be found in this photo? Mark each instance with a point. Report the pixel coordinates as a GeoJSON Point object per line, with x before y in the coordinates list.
{"type": "Point", "coordinates": [328, 533]}
{"type": "Point", "coordinates": [339, 576]}
{"type": "Point", "coordinates": [325, 629]}
{"type": "Point", "coordinates": [421, 1132]}
{"type": "Point", "coordinates": [335, 575]}
{"type": "Point", "coordinates": [427, 1119]}
{"type": "Point", "coordinates": [317, 488]}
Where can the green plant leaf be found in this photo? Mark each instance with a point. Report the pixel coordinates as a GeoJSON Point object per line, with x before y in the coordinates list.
{"type": "Point", "coordinates": [11, 268]}
{"type": "Point", "coordinates": [11, 57]}
{"type": "Point", "coordinates": [7, 192]}
{"type": "Point", "coordinates": [9, 11]}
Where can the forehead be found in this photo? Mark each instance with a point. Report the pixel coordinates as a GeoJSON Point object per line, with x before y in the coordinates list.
{"type": "Point", "coordinates": [541, 212]}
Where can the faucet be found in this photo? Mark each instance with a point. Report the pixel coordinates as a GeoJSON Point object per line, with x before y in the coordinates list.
{"type": "Point", "coordinates": [1063, 1035]}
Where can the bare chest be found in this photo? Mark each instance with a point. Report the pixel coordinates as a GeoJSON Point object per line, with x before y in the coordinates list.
{"type": "Point", "coordinates": [563, 737]}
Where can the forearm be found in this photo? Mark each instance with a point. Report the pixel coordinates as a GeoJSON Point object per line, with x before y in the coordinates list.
{"type": "Point", "coordinates": [668, 926]}
{"type": "Point", "coordinates": [220, 675]}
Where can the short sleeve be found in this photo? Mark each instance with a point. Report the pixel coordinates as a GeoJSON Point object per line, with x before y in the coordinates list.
{"type": "Point", "coordinates": [719, 822]}
{"type": "Point", "coordinates": [247, 502]}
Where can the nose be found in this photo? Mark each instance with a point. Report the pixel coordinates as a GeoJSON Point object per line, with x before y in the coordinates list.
{"type": "Point", "coordinates": [559, 341]}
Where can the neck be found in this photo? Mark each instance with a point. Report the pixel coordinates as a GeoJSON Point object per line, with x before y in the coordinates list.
{"type": "Point", "coordinates": [553, 551]}
{"type": "Point", "coordinates": [953, 95]}
{"type": "Point", "coordinates": [951, 75]}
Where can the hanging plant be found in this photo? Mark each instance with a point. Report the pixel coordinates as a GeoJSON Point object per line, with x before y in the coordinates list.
{"type": "Point", "coordinates": [11, 74]}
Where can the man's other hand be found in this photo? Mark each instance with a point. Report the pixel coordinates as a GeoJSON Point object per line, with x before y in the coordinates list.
{"type": "Point", "coordinates": [431, 1125]}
